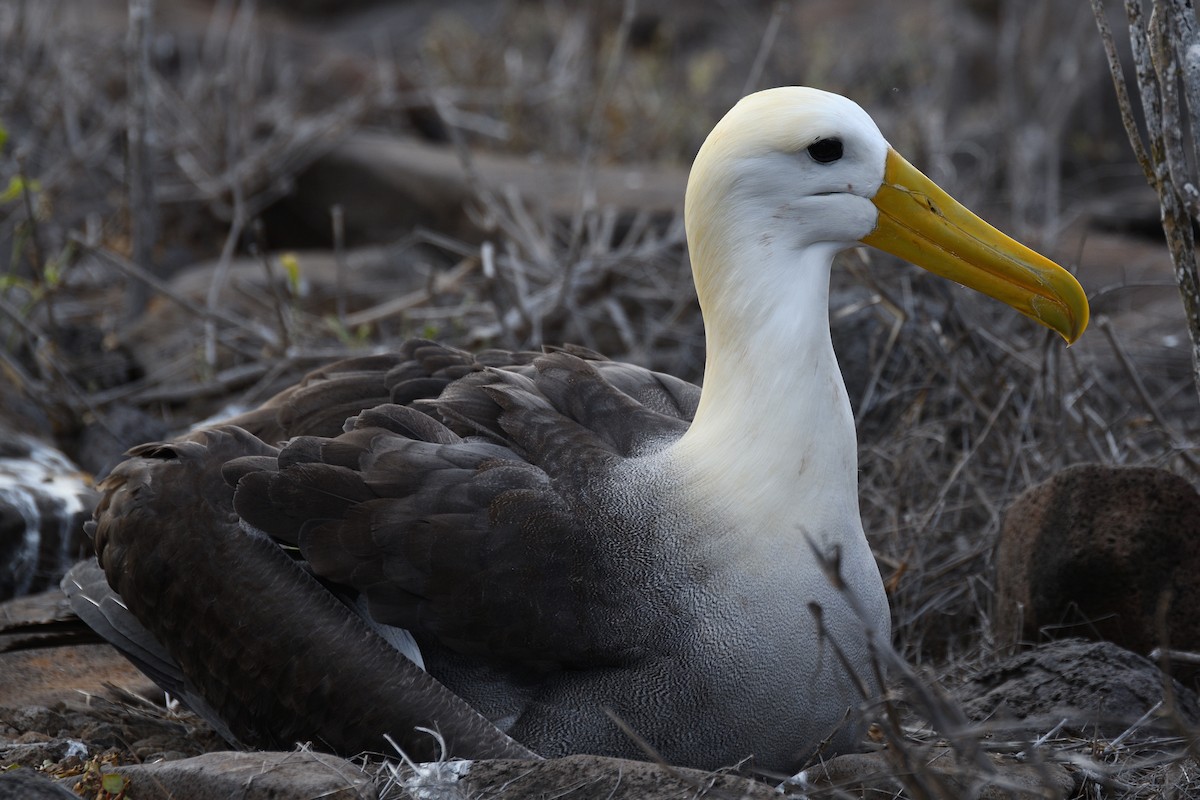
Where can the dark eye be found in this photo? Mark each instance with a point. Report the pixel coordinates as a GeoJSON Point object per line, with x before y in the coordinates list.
{"type": "Point", "coordinates": [825, 151]}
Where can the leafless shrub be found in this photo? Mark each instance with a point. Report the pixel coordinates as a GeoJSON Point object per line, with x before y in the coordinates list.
{"type": "Point", "coordinates": [229, 129]}
{"type": "Point", "coordinates": [1167, 74]}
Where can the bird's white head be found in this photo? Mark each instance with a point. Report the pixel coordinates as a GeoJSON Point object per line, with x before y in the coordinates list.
{"type": "Point", "coordinates": [792, 175]}
{"type": "Point", "coordinates": [791, 168]}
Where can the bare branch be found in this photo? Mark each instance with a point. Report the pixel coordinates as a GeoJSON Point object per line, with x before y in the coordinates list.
{"type": "Point", "coordinates": [1187, 51]}
{"type": "Point", "coordinates": [1123, 102]}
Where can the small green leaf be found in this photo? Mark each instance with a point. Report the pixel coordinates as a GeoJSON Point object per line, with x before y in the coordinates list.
{"type": "Point", "coordinates": [291, 265]}
{"type": "Point", "coordinates": [18, 186]}
{"type": "Point", "coordinates": [14, 189]}
{"type": "Point", "coordinates": [113, 783]}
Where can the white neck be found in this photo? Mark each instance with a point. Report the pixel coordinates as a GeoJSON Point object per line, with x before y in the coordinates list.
{"type": "Point", "coordinates": [773, 439]}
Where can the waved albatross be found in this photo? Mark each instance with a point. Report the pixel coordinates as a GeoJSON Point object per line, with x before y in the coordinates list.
{"type": "Point", "coordinates": [560, 540]}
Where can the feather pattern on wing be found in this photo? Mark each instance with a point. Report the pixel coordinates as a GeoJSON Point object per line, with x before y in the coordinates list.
{"type": "Point", "coordinates": [475, 532]}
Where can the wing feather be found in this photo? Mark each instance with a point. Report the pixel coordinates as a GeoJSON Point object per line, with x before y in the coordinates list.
{"type": "Point", "coordinates": [455, 493]}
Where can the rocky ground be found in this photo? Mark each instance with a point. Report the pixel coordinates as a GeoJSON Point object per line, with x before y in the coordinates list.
{"type": "Point", "coordinates": [1044, 723]}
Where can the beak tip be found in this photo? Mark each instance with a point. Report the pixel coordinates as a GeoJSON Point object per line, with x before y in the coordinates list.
{"type": "Point", "coordinates": [1075, 334]}
{"type": "Point", "coordinates": [1079, 311]}
{"type": "Point", "coordinates": [1059, 302]}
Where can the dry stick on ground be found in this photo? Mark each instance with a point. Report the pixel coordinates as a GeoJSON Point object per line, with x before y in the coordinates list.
{"type": "Point", "coordinates": [1171, 31]}
{"type": "Point", "coordinates": [441, 283]}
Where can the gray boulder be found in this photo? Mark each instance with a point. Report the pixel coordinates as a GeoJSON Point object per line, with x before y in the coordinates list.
{"type": "Point", "coordinates": [1093, 551]}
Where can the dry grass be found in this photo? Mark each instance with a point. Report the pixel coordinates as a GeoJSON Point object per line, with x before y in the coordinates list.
{"type": "Point", "coordinates": [960, 404]}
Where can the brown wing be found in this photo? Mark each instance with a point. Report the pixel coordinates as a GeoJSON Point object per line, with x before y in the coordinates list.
{"type": "Point", "coordinates": [478, 532]}
{"type": "Point", "coordinates": [269, 650]}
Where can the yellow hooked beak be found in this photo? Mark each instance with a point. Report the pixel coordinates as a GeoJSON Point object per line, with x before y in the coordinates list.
{"type": "Point", "coordinates": [922, 224]}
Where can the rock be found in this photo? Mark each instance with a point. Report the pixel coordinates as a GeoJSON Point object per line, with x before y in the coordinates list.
{"type": "Point", "coordinates": [44, 500]}
{"type": "Point", "coordinates": [61, 751]}
{"type": "Point", "coordinates": [574, 777]}
{"type": "Point", "coordinates": [1097, 687]}
{"type": "Point", "coordinates": [1093, 550]}
{"type": "Point", "coordinates": [28, 784]}
{"type": "Point", "coordinates": [886, 774]}
{"type": "Point", "coordinates": [249, 776]}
